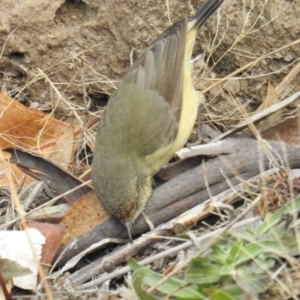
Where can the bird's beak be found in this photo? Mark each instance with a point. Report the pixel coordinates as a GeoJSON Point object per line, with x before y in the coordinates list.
{"type": "Point", "coordinates": [128, 225]}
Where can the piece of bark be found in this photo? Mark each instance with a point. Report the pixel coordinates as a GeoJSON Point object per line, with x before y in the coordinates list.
{"type": "Point", "coordinates": [244, 159]}
{"type": "Point", "coordinates": [177, 168]}
{"type": "Point", "coordinates": [106, 264]}
{"type": "Point", "coordinates": [259, 116]}
{"type": "Point", "coordinates": [47, 171]}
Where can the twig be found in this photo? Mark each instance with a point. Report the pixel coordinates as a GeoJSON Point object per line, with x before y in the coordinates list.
{"type": "Point", "coordinates": [205, 247]}
{"type": "Point", "coordinates": [51, 202]}
{"type": "Point", "coordinates": [247, 66]}
{"type": "Point", "coordinates": [192, 216]}
{"type": "Point", "coordinates": [165, 253]}
{"type": "Point", "coordinates": [259, 116]}
{"type": "Point", "coordinates": [86, 101]}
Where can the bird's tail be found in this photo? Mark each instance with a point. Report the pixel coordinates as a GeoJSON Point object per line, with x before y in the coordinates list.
{"type": "Point", "coordinates": [204, 12]}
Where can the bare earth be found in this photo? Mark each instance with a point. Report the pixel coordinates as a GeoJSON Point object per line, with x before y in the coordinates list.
{"type": "Point", "coordinates": [57, 36]}
{"type": "Point", "coordinates": [45, 45]}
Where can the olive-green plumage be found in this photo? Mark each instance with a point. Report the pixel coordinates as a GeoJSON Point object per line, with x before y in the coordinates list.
{"type": "Point", "coordinates": [149, 117]}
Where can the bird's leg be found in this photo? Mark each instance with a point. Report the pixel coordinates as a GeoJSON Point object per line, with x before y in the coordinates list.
{"type": "Point", "coordinates": [199, 126]}
{"type": "Point", "coordinates": [205, 133]}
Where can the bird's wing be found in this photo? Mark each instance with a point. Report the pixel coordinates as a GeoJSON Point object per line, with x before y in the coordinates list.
{"type": "Point", "coordinates": [160, 70]}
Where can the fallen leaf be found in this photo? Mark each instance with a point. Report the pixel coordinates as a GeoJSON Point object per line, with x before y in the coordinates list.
{"type": "Point", "coordinates": [53, 234]}
{"type": "Point", "coordinates": [36, 131]}
{"type": "Point", "coordinates": [45, 170]}
{"type": "Point", "coordinates": [287, 131]}
{"type": "Point", "coordinates": [29, 128]}
{"type": "Point", "coordinates": [25, 249]}
{"type": "Point", "coordinates": [85, 214]}
{"type": "Point", "coordinates": [271, 99]}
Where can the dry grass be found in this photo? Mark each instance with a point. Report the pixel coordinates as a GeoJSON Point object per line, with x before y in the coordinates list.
{"type": "Point", "coordinates": [286, 275]}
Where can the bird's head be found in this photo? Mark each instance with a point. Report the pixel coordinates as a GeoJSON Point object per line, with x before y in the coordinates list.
{"type": "Point", "coordinates": [123, 193]}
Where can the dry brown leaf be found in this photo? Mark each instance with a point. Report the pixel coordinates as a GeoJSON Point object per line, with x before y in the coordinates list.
{"type": "Point", "coordinates": [287, 131]}
{"type": "Point", "coordinates": [18, 177]}
{"type": "Point", "coordinates": [62, 151]}
{"type": "Point", "coordinates": [271, 99]}
{"type": "Point", "coordinates": [53, 234]}
{"type": "Point", "coordinates": [29, 128]}
{"type": "Point", "coordinates": [85, 214]}
{"type": "Point", "coordinates": [36, 131]}
{"type": "Point", "coordinates": [296, 183]}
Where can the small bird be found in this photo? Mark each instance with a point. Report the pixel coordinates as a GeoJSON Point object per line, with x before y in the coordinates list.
{"type": "Point", "coordinates": [148, 119]}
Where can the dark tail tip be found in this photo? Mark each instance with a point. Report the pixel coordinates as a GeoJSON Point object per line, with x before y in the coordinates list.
{"type": "Point", "coordinates": [205, 11]}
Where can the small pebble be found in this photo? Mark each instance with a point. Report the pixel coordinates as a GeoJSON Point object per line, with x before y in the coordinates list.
{"type": "Point", "coordinates": [288, 58]}
{"type": "Point", "coordinates": [230, 9]}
